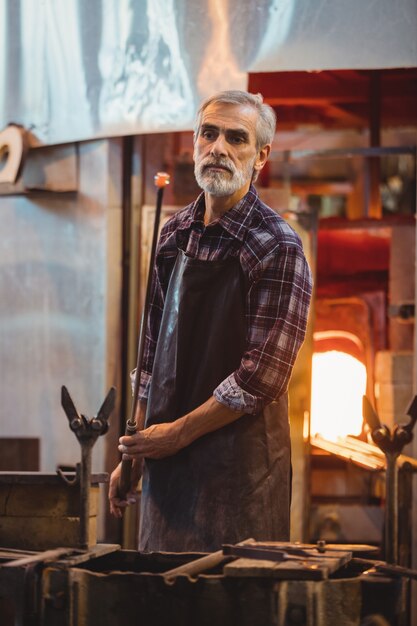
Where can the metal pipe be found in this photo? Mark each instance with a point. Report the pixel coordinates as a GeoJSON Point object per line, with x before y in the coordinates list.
{"type": "Point", "coordinates": [391, 510]}
{"type": "Point", "coordinates": [405, 518]}
{"type": "Point", "coordinates": [374, 206]}
{"type": "Point", "coordinates": [127, 171]}
{"type": "Point", "coordinates": [85, 482]}
{"type": "Point", "coordinates": [161, 181]}
{"type": "Point", "coordinates": [337, 153]}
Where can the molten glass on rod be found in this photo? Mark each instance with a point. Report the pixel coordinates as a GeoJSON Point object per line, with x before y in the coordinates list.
{"type": "Point", "coordinates": [161, 181]}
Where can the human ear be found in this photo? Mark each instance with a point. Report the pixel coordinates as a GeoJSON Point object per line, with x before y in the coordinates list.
{"type": "Point", "coordinates": [262, 157]}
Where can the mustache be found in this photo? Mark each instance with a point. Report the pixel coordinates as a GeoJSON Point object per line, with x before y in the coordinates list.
{"type": "Point", "coordinates": [220, 162]}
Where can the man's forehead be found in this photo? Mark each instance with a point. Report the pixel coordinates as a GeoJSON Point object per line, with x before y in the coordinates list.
{"type": "Point", "coordinates": [228, 115]}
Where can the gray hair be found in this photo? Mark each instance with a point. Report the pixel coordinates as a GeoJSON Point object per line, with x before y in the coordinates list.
{"type": "Point", "coordinates": [266, 123]}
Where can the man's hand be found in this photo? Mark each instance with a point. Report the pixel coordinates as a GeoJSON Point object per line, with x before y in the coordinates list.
{"type": "Point", "coordinates": [117, 504]}
{"type": "Point", "coordinates": [161, 440]}
{"type": "Point", "coordinates": [155, 442]}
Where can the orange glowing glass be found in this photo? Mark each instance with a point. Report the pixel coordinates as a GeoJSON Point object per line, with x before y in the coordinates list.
{"type": "Point", "coordinates": [338, 384]}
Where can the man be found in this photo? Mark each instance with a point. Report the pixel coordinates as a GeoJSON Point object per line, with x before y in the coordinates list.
{"type": "Point", "coordinates": [228, 314]}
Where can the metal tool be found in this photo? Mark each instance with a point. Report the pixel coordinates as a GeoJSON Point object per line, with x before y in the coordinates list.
{"type": "Point", "coordinates": [385, 568]}
{"type": "Point", "coordinates": [161, 181]}
{"type": "Point", "coordinates": [194, 568]}
{"type": "Point", "coordinates": [39, 557]}
{"type": "Point", "coordinates": [284, 552]}
{"type": "Point", "coordinates": [309, 554]}
{"type": "Point", "coordinates": [87, 432]}
{"type": "Point", "coordinates": [267, 553]}
{"type": "Point", "coordinates": [391, 443]}
{"type": "Point", "coordinates": [203, 564]}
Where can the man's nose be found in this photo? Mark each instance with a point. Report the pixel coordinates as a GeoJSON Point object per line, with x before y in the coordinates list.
{"type": "Point", "coordinates": [218, 147]}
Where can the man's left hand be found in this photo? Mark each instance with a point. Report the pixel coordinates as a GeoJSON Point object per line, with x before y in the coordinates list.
{"type": "Point", "coordinates": [155, 442]}
{"type": "Point", "coordinates": [161, 440]}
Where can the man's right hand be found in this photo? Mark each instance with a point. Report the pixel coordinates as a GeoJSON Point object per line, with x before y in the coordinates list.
{"type": "Point", "coordinates": [117, 504]}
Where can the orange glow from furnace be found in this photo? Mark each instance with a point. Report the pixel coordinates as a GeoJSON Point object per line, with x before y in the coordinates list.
{"type": "Point", "coordinates": [338, 384]}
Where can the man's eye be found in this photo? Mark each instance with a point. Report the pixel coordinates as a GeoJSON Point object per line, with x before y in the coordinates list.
{"type": "Point", "coordinates": [236, 140]}
{"type": "Point", "coordinates": [207, 134]}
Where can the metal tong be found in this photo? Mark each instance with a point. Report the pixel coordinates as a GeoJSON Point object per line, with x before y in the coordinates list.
{"type": "Point", "coordinates": [87, 432]}
{"type": "Point", "coordinates": [391, 443]}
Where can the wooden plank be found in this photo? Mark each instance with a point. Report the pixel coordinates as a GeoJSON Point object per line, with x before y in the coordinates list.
{"type": "Point", "coordinates": [303, 569]}
{"type": "Point", "coordinates": [341, 548]}
{"type": "Point", "coordinates": [100, 549]}
{"type": "Point", "coordinates": [43, 533]}
{"type": "Point", "coordinates": [65, 557]}
{"type": "Point", "coordinates": [40, 557]}
{"type": "Point", "coordinates": [45, 478]}
{"type": "Point", "coordinates": [44, 501]}
{"type": "Point", "coordinates": [13, 553]}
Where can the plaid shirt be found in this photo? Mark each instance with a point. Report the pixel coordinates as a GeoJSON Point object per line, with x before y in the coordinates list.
{"type": "Point", "coordinates": [279, 290]}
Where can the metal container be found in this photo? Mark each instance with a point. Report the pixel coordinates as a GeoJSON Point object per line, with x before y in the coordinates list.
{"type": "Point", "coordinates": [40, 511]}
{"type": "Point", "coordinates": [107, 586]}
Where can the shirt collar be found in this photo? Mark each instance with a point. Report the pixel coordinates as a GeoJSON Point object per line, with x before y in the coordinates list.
{"type": "Point", "coordinates": [235, 221]}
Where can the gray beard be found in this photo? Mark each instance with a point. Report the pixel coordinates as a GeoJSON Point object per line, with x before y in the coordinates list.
{"type": "Point", "coordinates": [220, 184]}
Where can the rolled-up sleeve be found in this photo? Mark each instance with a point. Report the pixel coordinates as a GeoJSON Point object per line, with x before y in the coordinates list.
{"type": "Point", "coordinates": [277, 312]}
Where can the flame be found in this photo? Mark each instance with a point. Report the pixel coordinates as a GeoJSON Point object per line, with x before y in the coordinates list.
{"type": "Point", "coordinates": [338, 384]}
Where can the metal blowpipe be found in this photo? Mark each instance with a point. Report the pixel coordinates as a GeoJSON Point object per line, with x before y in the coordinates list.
{"type": "Point", "coordinates": [161, 181]}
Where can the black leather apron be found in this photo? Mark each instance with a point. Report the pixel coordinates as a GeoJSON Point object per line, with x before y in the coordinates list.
{"type": "Point", "coordinates": [230, 484]}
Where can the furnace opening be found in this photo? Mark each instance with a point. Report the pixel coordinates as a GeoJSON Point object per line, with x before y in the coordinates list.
{"type": "Point", "coordinates": [338, 384]}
